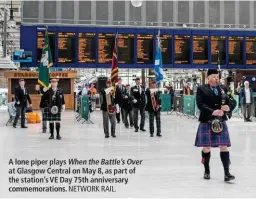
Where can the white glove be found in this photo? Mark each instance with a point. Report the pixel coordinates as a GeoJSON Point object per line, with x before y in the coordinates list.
{"type": "Point", "coordinates": [134, 101]}
{"type": "Point", "coordinates": [45, 89]}
{"type": "Point", "coordinates": [63, 107]}
{"type": "Point", "coordinates": [126, 97]}
{"type": "Point", "coordinates": [18, 103]}
{"type": "Point", "coordinates": [117, 108]}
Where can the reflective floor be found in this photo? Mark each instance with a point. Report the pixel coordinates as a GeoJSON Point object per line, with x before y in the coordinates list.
{"type": "Point", "coordinates": [170, 167]}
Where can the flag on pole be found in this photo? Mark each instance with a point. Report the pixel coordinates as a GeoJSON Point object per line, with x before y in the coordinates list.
{"type": "Point", "coordinates": [114, 66]}
{"type": "Point", "coordinates": [45, 64]}
{"type": "Point", "coordinates": [158, 67]}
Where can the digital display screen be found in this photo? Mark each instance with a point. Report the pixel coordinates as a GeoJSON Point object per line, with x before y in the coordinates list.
{"type": "Point", "coordinates": [145, 48]}
{"type": "Point", "coordinates": [86, 47]}
{"type": "Point", "coordinates": [106, 44]}
{"type": "Point", "coordinates": [235, 50]}
{"type": "Point", "coordinates": [251, 50]}
{"type": "Point", "coordinates": [166, 48]}
{"type": "Point", "coordinates": [200, 49]}
{"type": "Point", "coordinates": [218, 43]}
{"type": "Point", "coordinates": [66, 47]}
{"type": "Point", "coordinates": [22, 56]}
{"type": "Point", "coordinates": [125, 48]}
{"type": "Point", "coordinates": [40, 44]}
{"type": "Point", "coordinates": [182, 49]}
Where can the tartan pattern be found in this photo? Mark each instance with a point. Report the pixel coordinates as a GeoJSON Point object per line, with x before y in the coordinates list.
{"type": "Point", "coordinates": [48, 116]}
{"type": "Point", "coordinates": [153, 115]}
{"type": "Point", "coordinates": [206, 138]}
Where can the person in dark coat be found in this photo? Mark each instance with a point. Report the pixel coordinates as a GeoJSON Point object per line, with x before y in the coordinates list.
{"type": "Point", "coordinates": [108, 108]}
{"type": "Point", "coordinates": [21, 98]}
{"type": "Point", "coordinates": [54, 105]}
{"type": "Point", "coordinates": [154, 108]}
{"type": "Point", "coordinates": [127, 106]}
{"type": "Point", "coordinates": [139, 102]}
{"type": "Point", "coordinates": [209, 100]}
{"type": "Point", "coordinates": [120, 88]}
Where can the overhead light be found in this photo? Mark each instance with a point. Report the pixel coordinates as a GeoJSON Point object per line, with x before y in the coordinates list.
{"type": "Point", "coordinates": [11, 22]}
{"type": "Point", "coordinates": [136, 3]}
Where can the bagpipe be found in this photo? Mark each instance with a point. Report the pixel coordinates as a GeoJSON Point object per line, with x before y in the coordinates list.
{"type": "Point", "coordinates": [110, 92]}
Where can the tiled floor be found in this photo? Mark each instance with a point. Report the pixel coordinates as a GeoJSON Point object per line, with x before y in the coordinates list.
{"type": "Point", "coordinates": [171, 164]}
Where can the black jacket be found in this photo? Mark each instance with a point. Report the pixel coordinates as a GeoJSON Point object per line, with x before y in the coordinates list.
{"type": "Point", "coordinates": [22, 97]}
{"type": "Point", "coordinates": [119, 94]}
{"type": "Point", "coordinates": [149, 106]}
{"type": "Point", "coordinates": [127, 102]}
{"type": "Point", "coordinates": [139, 96]}
{"type": "Point", "coordinates": [103, 106]}
{"type": "Point", "coordinates": [43, 100]}
{"type": "Point", "coordinates": [208, 102]}
{"type": "Point", "coordinates": [48, 96]}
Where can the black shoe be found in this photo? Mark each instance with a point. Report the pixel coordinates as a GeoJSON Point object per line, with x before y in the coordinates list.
{"type": "Point", "coordinates": [151, 135]}
{"type": "Point", "coordinates": [136, 130]}
{"type": "Point", "coordinates": [131, 126]}
{"type": "Point", "coordinates": [159, 135]}
{"type": "Point", "coordinates": [229, 177]}
{"type": "Point", "coordinates": [58, 137]}
{"type": "Point", "coordinates": [44, 130]}
{"type": "Point", "coordinates": [118, 122]}
{"type": "Point", "coordinates": [24, 127]}
{"type": "Point", "coordinates": [51, 137]}
{"type": "Point", "coordinates": [249, 120]}
{"type": "Point", "coordinates": [127, 126]}
{"type": "Point", "coordinates": [113, 136]}
{"type": "Point", "coordinates": [14, 126]}
{"type": "Point", "coordinates": [142, 129]}
{"type": "Point", "coordinates": [207, 176]}
{"type": "Point", "coordinates": [106, 136]}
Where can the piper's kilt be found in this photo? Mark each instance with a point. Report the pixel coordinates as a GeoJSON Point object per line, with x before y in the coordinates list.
{"type": "Point", "coordinates": [48, 116]}
{"type": "Point", "coordinates": [206, 138]}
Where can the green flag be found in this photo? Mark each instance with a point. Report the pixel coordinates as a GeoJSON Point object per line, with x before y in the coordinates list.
{"type": "Point", "coordinates": [46, 63]}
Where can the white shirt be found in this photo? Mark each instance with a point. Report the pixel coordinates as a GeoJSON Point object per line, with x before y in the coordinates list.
{"type": "Point", "coordinates": [84, 91]}
{"type": "Point", "coordinates": [247, 95]}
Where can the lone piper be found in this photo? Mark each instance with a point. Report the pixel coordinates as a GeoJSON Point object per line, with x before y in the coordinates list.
{"type": "Point", "coordinates": [55, 104]}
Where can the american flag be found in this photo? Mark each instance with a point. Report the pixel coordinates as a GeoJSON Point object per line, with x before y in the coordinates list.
{"type": "Point", "coordinates": [114, 67]}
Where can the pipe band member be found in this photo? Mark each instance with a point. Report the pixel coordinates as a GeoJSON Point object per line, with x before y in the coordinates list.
{"type": "Point", "coordinates": [108, 108]}
{"type": "Point", "coordinates": [213, 130]}
{"type": "Point", "coordinates": [154, 108]}
{"type": "Point", "coordinates": [55, 105]}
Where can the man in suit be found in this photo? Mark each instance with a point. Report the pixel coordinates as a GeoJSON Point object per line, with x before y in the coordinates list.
{"type": "Point", "coordinates": [213, 108]}
{"type": "Point", "coordinates": [21, 97]}
{"type": "Point", "coordinates": [154, 108]}
{"type": "Point", "coordinates": [120, 89]}
{"type": "Point", "coordinates": [139, 101]}
{"type": "Point", "coordinates": [246, 100]}
{"type": "Point", "coordinates": [127, 107]}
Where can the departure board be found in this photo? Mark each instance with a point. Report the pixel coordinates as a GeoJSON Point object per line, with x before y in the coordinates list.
{"type": "Point", "coordinates": [182, 49]}
{"type": "Point", "coordinates": [200, 49]}
{"type": "Point", "coordinates": [125, 48]}
{"type": "Point", "coordinates": [86, 47]}
{"type": "Point", "coordinates": [218, 43]}
{"type": "Point", "coordinates": [251, 50]}
{"type": "Point", "coordinates": [166, 48]}
{"type": "Point", "coordinates": [235, 50]}
{"type": "Point", "coordinates": [106, 44]}
{"type": "Point", "coordinates": [66, 47]}
{"type": "Point", "coordinates": [40, 44]}
{"type": "Point", "coordinates": [145, 48]}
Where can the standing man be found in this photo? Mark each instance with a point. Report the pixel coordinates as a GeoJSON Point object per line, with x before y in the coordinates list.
{"type": "Point", "coordinates": [139, 101]}
{"type": "Point", "coordinates": [127, 107]}
{"type": "Point", "coordinates": [154, 108]}
{"type": "Point", "coordinates": [108, 108]}
{"type": "Point", "coordinates": [120, 89]}
{"type": "Point", "coordinates": [246, 100]}
{"type": "Point", "coordinates": [54, 106]}
{"type": "Point", "coordinates": [21, 97]}
{"type": "Point", "coordinates": [213, 130]}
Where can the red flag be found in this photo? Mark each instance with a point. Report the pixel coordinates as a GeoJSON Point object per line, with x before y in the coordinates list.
{"type": "Point", "coordinates": [114, 67]}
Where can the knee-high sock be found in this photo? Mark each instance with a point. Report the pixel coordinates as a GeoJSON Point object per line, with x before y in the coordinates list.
{"type": "Point", "coordinates": [51, 128]}
{"type": "Point", "coordinates": [206, 160]}
{"type": "Point", "coordinates": [58, 128]}
{"type": "Point", "coordinates": [224, 156]}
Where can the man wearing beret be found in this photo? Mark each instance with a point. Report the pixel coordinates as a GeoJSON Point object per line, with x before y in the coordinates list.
{"type": "Point", "coordinates": [21, 98]}
{"type": "Point", "coordinates": [212, 108]}
{"type": "Point", "coordinates": [139, 102]}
